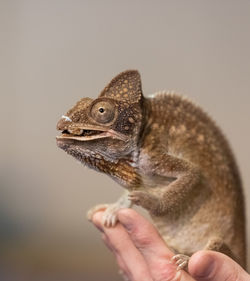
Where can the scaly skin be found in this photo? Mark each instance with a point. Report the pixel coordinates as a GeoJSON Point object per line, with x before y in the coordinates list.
{"type": "Point", "coordinates": [172, 159]}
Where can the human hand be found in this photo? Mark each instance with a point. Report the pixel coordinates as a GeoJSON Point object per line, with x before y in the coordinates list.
{"type": "Point", "coordinates": [142, 255]}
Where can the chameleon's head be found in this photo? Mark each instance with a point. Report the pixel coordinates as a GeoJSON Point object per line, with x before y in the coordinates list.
{"type": "Point", "coordinates": [107, 127]}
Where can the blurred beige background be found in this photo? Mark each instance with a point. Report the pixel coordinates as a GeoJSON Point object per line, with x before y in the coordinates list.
{"type": "Point", "coordinates": [53, 52]}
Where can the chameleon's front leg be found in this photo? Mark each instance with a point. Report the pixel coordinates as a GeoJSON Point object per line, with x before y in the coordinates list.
{"type": "Point", "coordinates": [173, 196]}
{"type": "Point", "coordinates": [109, 218]}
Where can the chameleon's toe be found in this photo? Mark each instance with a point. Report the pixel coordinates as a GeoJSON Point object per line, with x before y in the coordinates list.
{"type": "Point", "coordinates": [109, 218]}
{"type": "Point", "coordinates": [181, 261]}
{"type": "Point", "coordinates": [137, 197]}
{"type": "Point", "coordinates": [133, 198]}
{"type": "Point", "coordinates": [95, 209]}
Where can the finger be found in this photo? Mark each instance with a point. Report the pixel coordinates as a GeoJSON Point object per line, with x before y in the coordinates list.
{"type": "Point", "coordinates": [128, 256]}
{"type": "Point", "coordinates": [148, 241]}
{"type": "Point", "coordinates": [143, 233]}
{"type": "Point", "coordinates": [124, 271]}
{"type": "Point", "coordinates": [214, 266]}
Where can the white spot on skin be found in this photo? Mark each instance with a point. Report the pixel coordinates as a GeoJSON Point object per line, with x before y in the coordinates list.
{"type": "Point", "coordinates": [144, 161]}
{"type": "Point", "coordinates": [200, 138]}
{"type": "Point", "coordinates": [66, 118]}
{"type": "Point", "coordinates": [182, 129]}
{"type": "Point", "coordinates": [155, 126]}
{"type": "Point", "coordinates": [172, 130]}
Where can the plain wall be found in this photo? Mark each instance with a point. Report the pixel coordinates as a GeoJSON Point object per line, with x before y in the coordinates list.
{"type": "Point", "coordinates": [54, 52]}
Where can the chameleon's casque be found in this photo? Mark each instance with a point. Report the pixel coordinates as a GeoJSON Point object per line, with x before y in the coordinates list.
{"type": "Point", "coordinates": [171, 158]}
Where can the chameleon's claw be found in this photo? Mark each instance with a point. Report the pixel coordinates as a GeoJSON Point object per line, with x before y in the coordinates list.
{"type": "Point", "coordinates": [113, 220]}
{"type": "Point", "coordinates": [137, 197]}
{"type": "Point", "coordinates": [109, 218]}
{"type": "Point", "coordinates": [180, 260]}
{"type": "Point", "coordinates": [95, 209]}
{"type": "Point", "coordinates": [183, 265]}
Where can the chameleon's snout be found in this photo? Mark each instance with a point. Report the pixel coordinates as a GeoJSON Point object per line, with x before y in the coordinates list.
{"type": "Point", "coordinates": [63, 123]}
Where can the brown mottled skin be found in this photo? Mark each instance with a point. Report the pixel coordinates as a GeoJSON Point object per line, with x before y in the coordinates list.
{"type": "Point", "coordinates": [170, 156]}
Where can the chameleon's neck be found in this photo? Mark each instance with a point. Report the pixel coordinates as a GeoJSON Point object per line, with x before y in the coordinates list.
{"type": "Point", "coordinates": [123, 171]}
{"type": "Point", "coordinates": [145, 122]}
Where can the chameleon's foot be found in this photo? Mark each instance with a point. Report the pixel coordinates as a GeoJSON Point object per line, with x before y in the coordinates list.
{"type": "Point", "coordinates": [95, 209]}
{"type": "Point", "coordinates": [181, 261]}
{"type": "Point", "coordinates": [143, 198]}
{"type": "Point", "coordinates": [109, 218]}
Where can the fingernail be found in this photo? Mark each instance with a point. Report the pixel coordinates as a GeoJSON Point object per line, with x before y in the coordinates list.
{"type": "Point", "coordinates": [207, 266]}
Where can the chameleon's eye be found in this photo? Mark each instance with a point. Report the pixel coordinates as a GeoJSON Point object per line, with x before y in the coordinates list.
{"type": "Point", "coordinates": [103, 111]}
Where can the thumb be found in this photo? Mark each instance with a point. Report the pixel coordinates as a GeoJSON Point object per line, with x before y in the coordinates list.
{"type": "Point", "coordinates": [214, 266]}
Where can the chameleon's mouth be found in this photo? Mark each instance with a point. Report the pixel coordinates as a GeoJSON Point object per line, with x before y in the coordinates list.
{"type": "Point", "coordinates": [83, 134]}
{"type": "Point", "coordinates": [89, 134]}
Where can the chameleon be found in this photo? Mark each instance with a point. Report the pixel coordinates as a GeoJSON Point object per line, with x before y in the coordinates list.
{"type": "Point", "coordinates": [170, 157]}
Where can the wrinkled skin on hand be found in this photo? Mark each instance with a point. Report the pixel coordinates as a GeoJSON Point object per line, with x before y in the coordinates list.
{"type": "Point", "coordinates": [141, 254]}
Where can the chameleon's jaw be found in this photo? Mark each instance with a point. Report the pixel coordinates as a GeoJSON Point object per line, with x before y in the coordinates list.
{"type": "Point", "coordinates": [89, 134]}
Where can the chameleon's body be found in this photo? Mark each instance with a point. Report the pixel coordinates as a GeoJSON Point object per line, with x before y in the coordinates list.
{"type": "Point", "coordinates": [170, 156]}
